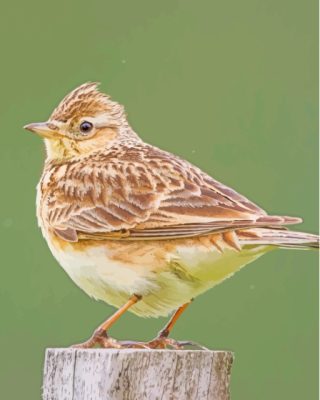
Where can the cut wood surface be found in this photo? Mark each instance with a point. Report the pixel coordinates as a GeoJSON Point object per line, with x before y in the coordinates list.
{"type": "Point", "coordinates": [134, 374]}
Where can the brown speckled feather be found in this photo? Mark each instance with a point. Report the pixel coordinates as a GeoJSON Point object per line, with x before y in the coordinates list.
{"type": "Point", "coordinates": [145, 191]}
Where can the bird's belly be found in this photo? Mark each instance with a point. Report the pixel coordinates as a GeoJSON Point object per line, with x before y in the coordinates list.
{"type": "Point", "coordinates": [165, 274]}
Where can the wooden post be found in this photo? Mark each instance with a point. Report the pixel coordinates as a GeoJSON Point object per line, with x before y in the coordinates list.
{"type": "Point", "coordinates": [134, 374]}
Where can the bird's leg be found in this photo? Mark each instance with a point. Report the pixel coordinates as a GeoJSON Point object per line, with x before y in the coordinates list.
{"type": "Point", "coordinates": [100, 335]}
{"type": "Point", "coordinates": [165, 332]}
{"type": "Point", "coordinates": [163, 340]}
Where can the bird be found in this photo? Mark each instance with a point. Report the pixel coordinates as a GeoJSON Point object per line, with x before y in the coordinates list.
{"type": "Point", "coordinates": [136, 226]}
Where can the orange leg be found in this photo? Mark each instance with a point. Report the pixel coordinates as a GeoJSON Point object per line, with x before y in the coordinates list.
{"type": "Point", "coordinates": [162, 340]}
{"type": "Point", "coordinates": [111, 320]}
{"type": "Point", "coordinates": [165, 332]}
{"type": "Point", "coordinates": [100, 335]}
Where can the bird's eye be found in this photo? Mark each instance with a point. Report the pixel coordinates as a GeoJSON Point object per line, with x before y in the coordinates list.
{"type": "Point", "coordinates": [86, 127]}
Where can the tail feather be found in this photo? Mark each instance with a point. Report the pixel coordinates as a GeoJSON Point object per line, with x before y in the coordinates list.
{"type": "Point", "coordinates": [279, 238]}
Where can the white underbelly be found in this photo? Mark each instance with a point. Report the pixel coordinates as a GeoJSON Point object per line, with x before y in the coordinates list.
{"type": "Point", "coordinates": [186, 272]}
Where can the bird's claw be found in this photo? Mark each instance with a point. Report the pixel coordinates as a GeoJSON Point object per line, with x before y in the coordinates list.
{"type": "Point", "coordinates": [162, 343]}
{"type": "Point", "coordinates": [99, 338]}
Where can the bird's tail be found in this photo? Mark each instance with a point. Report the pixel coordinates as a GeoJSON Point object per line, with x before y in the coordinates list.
{"type": "Point", "coordinates": [279, 238]}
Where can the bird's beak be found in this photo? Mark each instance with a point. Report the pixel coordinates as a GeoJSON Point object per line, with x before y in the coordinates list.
{"type": "Point", "coordinates": [44, 129]}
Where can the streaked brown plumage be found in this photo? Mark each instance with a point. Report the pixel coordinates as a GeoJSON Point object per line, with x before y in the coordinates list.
{"type": "Point", "coordinates": [109, 204]}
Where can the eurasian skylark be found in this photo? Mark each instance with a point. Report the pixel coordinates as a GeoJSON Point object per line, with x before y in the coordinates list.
{"type": "Point", "coordinates": [136, 226]}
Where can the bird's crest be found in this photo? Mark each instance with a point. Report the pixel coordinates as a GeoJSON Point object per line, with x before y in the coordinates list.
{"type": "Point", "coordinates": [86, 100]}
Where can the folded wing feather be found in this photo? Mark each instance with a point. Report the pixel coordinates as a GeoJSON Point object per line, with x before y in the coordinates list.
{"type": "Point", "coordinates": [147, 192]}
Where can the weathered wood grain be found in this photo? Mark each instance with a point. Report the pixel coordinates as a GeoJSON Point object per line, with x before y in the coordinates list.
{"type": "Point", "coordinates": [134, 374]}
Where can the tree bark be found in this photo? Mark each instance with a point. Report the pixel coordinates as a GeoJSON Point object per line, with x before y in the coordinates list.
{"type": "Point", "coordinates": [134, 374]}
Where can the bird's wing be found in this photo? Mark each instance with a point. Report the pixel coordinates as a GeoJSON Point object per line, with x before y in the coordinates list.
{"type": "Point", "coordinates": [144, 193]}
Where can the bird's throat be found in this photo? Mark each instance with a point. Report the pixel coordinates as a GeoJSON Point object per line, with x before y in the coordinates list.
{"type": "Point", "coordinates": [60, 149]}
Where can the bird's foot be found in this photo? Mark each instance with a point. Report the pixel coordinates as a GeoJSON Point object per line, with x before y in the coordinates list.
{"type": "Point", "coordinates": [162, 342]}
{"type": "Point", "coordinates": [165, 342]}
{"type": "Point", "coordinates": [100, 338]}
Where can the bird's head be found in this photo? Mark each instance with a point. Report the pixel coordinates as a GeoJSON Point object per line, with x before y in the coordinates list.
{"type": "Point", "coordinates": [84, 121]}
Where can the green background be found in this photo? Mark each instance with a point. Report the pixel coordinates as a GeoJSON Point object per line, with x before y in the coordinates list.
{"type": "Point", "coordinates": [229, 85]}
